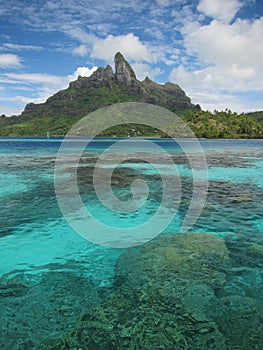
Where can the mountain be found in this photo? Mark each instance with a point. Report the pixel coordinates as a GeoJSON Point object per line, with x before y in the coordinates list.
{"type": "Point", "coordinates": [86, 94]}
{"type": "Point", "coordinates": [106, 87]}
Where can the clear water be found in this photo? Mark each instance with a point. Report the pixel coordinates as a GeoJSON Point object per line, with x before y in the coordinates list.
{"type": "Point", "coordinates": [49, 274]}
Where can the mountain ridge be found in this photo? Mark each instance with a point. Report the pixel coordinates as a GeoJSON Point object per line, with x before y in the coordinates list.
{"type": "Point", "coordinates": [105, 87]}
{"type": "Point", "coordinates": [123, 81]}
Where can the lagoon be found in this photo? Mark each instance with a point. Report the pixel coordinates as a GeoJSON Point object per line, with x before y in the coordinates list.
{"type": "Point", "coordinates": [50, 275]}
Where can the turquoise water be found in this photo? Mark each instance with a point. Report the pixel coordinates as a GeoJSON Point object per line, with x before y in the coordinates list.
{"type": "Point", "coordinates": [49, 275]}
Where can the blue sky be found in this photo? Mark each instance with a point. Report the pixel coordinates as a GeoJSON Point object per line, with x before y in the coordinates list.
{"type": "Point", "coordinates": [212, 48]}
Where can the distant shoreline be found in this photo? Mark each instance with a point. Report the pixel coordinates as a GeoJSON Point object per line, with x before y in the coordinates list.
{"type": "Point", "coordinates": [52, 138]}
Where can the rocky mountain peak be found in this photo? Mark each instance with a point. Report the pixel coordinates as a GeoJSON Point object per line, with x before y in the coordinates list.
{"type": "Point", "coordinates": [105, 87]}
{"type": "Point", "coordinates": [147, 80]}
{"type": "Point", "coordinates": [103, 73]}
{"type": "Point", "coordinates": [123, 71]}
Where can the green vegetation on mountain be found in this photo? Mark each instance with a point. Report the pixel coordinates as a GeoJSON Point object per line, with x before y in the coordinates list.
{"type": "Point", "coordinates": [104, 87]}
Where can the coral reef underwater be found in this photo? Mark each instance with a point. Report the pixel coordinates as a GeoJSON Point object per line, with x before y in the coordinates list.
{"type": "Point", "coordinates": [178, 291]}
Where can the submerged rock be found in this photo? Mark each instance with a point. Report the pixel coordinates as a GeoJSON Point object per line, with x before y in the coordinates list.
{"type": "Point", "coordinates": [197, 299]}
{"type": "Point", "coordinates": [181, 291]}
{"type": "Point", "coordinates": [256, 249]}
{"type": "Point", "coordinates": [34, 307]}
{"type": "Point", "coordinates": [161, 299]}
{"type": "Point", "coordinates": [188, 256]}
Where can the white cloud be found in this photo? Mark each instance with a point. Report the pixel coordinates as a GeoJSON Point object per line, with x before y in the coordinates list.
{"type": "Point", "coordinates": [82, 71]}
{"type": "Point", "coordinates": [219, 87]}
{"type": "Point", "coordinates": [55, 81]}
{"type": "Point", "coordinates": [52, 5]}
{"type": "Point", "coordinates": [228, 57]}
{"type": "Point", "coordinates": [143, 69]}
{"type": "Point", "coordinates": [36, 78]}
{"type": "Point", "coordinates": [129, 45]}
{"type": "Point", "coordinates": [24, 99]}
{"type": "Point", "coordinates": [9, 61]}
{"type": "Point", "coordinates": [220, 101]}
{"type": "Point", "coordinates": [18, 47]}
{"type": "Point", "coordinates": [79, 34]}
{"type": "Point", "coordinates": [222, 10]}
{"type": "Point", "coordinates": [163, 2]}
{"type": "Point", "coordinates": [80, 50]}
{"type": "Point", "coordinates": [45, 85]}
{"type": "Point", "coordinates": [230, 77]}
{"type": "Point", "coordinates": [218, 43]}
